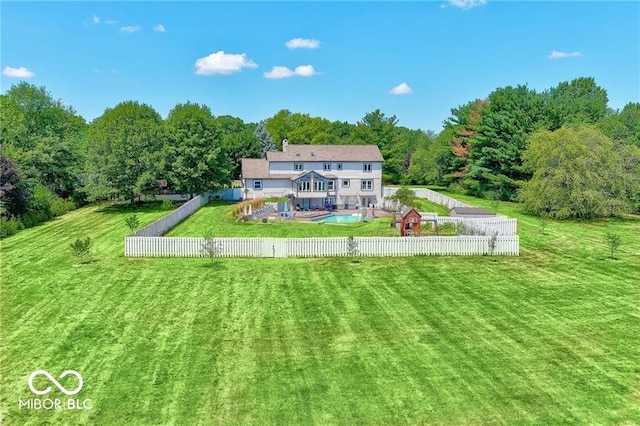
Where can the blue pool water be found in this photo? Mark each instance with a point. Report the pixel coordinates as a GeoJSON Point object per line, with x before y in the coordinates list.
{"type": "Point", "coordinates": [337, 218]}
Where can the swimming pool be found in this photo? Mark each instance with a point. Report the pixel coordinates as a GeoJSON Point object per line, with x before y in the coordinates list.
{"type": "Point", "coordinates": [338, 218]}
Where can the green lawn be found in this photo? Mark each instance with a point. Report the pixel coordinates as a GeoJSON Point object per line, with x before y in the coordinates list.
{"type": "Point", "coordinates": [545, 338]}
{"type": "Point", "coordinates": [217, 217]}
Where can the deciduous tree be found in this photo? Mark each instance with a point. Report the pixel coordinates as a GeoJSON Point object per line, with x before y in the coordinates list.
{"type": "Point", "coordinates": [125, 151]}
{"type": "Point", "coordinates": [197, 161]}
{"type": "Point", "coordinates": [576, 173]}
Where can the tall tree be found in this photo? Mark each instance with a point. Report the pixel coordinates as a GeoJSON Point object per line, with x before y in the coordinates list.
{"type": "Point", "coordinates": [376, 128]}
{"type": "Point", "coordinates": [578, 173]}
{"type": "Point", "coordinates": [432, 160]}
{"type": "Point", "coordinates": [124, 152]}
{"type": "Point", "coordinates": [266, 141]}
{"type": "Point", "coordinates": [197, 161]}
{"type": "Point", "coordinates": [460, 132]}
{"type": "Point", "coordinates": [44, 136]}
{"type": "Point", "coordinates": [239, 141]}
{"type": "Point", "coordinates": [579, 101]}
{"type": "Point", "coordinates": [623, 126]}
{"type": "Point", "coordinates": [13, 198]}
{"type": "Point", "coordinates": [495, 157]}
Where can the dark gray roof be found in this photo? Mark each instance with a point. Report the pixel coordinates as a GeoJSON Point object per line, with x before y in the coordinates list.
{"type": "Point", "coordinates": [472, 211]}
{"type": "Point", "coordinates": [327, 153]}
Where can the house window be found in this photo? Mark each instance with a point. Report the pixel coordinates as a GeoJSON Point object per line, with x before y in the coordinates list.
{"type": "Point", "coordinates": [331, 185]}
{"type": "Point", "coordinates": [298, 167]}
{"type": "Point", "coordinates": [319, 185]}
{"type": "Point", "coordinates": [326, 167]}
{"type": "Point", "coordinates": [345, 183]}
{"type": "Point", "coordinates": [367, 185]}
{"type": "Point", "coordinates": [304, 186]}
{"type": "Point", "coordinates": [339, 166]}
{"type": "Point", "coordinates": [257, 184]}
{"type": "Point", "coordinates": [366, 167]}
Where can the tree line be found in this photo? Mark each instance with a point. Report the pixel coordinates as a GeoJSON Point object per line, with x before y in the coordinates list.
{"type": "Point", "coordinates": [563, 151]}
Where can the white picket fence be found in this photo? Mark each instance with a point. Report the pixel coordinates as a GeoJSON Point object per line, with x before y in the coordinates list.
{"type": "Point", "coordinates": [167, 222]}
{"type": "Point", "coordinates": [325, 247]}
{"type": "Point", "coordinates": [433, 196]}
{"type": "Point", "coordinates": [500, 225]}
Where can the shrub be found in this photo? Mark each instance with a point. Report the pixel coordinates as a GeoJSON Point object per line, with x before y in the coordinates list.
{"type": "Point", "coordinates": [60, 206]}
{"type": "Point", "coordinates": [543, 222]}
{"type": "Point", "coordinates": [42, 200]}
{"type": "Point", "coordinates": [493, 243]}
{"type": "Point", "coordinates": [80, 249]}
{"type": "Point", "coordinates": [456, 188]}
{"type": "Point", "coordinates": [132, 222]}
{"type": "Point", "coordinates": [167, 205]}
{"type": "Point", "coordinates": [210, 247]}
{"type": "Point", "coordinates": [352, 247]}
{"type": "Point", "coordinates": [9, 226]}
{"type": "Point", "coordinates": [405, 196]}
{"type": "Point", "coordinates": [34, 217]}
{"type": "Point", "coordinates": [613, 241]}
{"type": "Point", "coordinates": [447, 228]}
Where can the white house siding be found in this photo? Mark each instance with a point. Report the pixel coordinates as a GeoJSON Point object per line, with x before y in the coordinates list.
{"type": "Point", "coordinates": [270, 188]}
{"type": "Point", "coordinates": [353, 171]}
{"type": "Point", "coordinates": [277, 172]}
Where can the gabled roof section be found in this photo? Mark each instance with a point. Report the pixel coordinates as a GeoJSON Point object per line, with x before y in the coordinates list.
{"type": "Point", "coordinates": [254, 168]}
{"type": "Point", "coordinates": [327, 153]}
{"type": "Point", "coordinates": [472, 211]}
{"type": "Point", "coordinates": [315, 173]}
{"type": "Point", "coordinates": [405, 211]}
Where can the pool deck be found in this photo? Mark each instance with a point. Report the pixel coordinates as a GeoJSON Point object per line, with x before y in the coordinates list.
{"type": "Point", "coordinates": [314, 214]}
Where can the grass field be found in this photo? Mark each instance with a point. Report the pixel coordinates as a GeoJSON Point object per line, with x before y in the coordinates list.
{"type": "Point", "coordinates": [549, 337]}
{"type": "Point", "coordinates": [217, 217]}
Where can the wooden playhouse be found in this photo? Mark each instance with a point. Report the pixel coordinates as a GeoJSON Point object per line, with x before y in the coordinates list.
{"type": "Point", "coordinates": [408, 221]}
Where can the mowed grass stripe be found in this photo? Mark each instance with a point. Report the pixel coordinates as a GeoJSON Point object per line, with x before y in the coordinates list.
{"type": "Point", "coordinates": [540, 339]}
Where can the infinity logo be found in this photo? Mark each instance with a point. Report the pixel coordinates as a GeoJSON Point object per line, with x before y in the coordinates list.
{"type": "Point", "coordinates": [55, 382]}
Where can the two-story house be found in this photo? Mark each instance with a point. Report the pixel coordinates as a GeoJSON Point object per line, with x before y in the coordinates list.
{"type": "Point", "coordinates": [348, 176]}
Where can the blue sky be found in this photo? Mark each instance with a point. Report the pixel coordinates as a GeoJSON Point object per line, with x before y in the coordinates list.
{"type": "Point", "coordinates": [349, 57]}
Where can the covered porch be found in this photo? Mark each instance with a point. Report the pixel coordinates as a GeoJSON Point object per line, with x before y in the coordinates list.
{"type": "Point", "coordinates": [314, 191]}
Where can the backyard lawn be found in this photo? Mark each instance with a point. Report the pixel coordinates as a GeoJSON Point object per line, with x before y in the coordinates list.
{"type": "Point", "coordinates": [217, 217]}
{"type": "Point", "coordinates": [545, 338]}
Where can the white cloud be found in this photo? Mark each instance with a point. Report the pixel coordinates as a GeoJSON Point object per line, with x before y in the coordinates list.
{"type": "Point", "coordinates": [130, 28]}
{"type": "Point", "coordinates": [401, 89]}
{"type": "Point", "coordinates": [96, 20]}
{"type": "Point", "coordinates": [279, 72]}
{"type": "Point", "coordinates": [159, 28]}
{"type": "Point", "coordinates": [302, 43]}
{"type": "Point", "coordinates": [465, 4]}
{"type": "Point", "coordinates": [223, 63]}
{"type": "Point", "coordinates": [555, 54]}
{"type": "Point", "coordinates": [284, 72]}
{"type": "Point", "coordinates": [20, 72]}
{"type": "Point", "coordinates": [305, 71]}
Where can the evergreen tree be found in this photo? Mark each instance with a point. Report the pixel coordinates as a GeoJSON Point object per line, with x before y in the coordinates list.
{"type": "Point", "coordinates": [265, 138]}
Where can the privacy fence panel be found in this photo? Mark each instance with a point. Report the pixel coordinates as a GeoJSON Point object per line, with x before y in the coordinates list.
{"type": "Point", "coordinates": [465, 245]}
{"type": "Point", "coordinates": [167, 222]}
{"type": "Point", "coordinates": [433, 196]}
